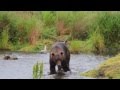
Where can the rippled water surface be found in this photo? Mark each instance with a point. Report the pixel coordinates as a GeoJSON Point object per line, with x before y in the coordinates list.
{"type": "Point", "coordinates": [22, 68]}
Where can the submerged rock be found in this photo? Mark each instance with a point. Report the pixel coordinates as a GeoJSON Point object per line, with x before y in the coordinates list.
{"type": "Point", "coordinates": [7, 57]}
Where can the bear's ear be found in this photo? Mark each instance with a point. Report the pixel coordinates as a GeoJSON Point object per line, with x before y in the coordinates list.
{"type": "Point", "coordinates": [67, 43]}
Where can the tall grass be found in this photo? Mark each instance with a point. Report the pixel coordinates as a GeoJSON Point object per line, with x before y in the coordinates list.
{"type": "Point", "coordinates": [49, 33]}
{"type": "Point", "coordinates": [48, 18]}
{"type": "Point", "coordinates": [75, 46]}
{"type": "Point", "coordinates": [4, 39]}
{"type": "Point", "coordinates": [108, 23]}
{"type": "Point", "coordinates": [98, 32]}
{"type": "Point", "coordinates": [38, 70]}
{"type": "Point", "coordinates": [97, 40]}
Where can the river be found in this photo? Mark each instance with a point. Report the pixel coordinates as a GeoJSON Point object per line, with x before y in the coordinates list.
{"type": "Point", "coordinates": [23, 67]}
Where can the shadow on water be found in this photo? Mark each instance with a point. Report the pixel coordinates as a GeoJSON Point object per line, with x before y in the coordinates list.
{"type": "Point", "coordinates": [59, 76]}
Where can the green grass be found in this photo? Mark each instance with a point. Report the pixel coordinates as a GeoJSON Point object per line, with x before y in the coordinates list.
{"type": "Point", "coordinates": [5, 39]}
{"type": "Point", "coordinates": [97, 41]}
{"type": "Point", "coordinates": [95, 44]}
{"type": "Point", "coordinates": [38, 70]}
{"type": "Point", "coordinates": [92, 73]}
{"type": "Point", "coordinates": [78, 46]}
{"type": "Point", "coordinates": [37, 47]}
{"type": "Point", "coordinates": [108, 69]}
{"type": "Point", "coordinates": [31, 48]}
{"type": "Point", "coordinates": [95, 32]}
{"type": "Point", "coordinates": [75, 46]}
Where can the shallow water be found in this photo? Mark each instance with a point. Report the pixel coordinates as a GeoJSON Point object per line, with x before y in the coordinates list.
{"type": "Point", "coordinates": [22, 68]}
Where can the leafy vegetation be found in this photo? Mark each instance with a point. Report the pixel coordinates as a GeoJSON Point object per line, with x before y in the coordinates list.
{"type": "Point", "coordinates": [87, 32]}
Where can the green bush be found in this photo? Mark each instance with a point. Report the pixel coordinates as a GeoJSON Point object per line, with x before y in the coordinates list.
{"type": "Point", "coordinates": [97, 40]}
{"type": "Point", "coordinates": [49, 33]}
{"type": "Point", "coordinates": [97, 31]}
{"type": "Point", "coordinates": [48, 18]}
{"type": "Point", "coordinates": [4, 38]}
{"type": "Point", "coordinates": [110, 26]}
{"type": "Point", "coordinates": [75, 46]}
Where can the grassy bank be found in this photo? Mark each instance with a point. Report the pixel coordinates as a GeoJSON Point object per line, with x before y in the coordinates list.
{"type": "Point", "coordinates": [109, 69]}
{"type": "Point", "coordinates": [87, 32]}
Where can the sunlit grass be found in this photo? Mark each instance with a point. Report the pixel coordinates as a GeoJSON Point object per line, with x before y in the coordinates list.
{"type": "Point", "coordinates": [109, 69]}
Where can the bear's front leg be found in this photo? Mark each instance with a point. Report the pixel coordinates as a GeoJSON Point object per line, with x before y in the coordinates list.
{"type": "Point", "coordinates": [65, 66]}
{"type": "Point", "coordinates": [52, 68]}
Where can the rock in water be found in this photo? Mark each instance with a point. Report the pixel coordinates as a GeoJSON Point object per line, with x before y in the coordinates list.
{"type": "Point", "coordinates": [7, 57]}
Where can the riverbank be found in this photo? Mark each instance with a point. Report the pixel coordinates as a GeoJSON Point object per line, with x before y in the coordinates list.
{"type": "Point", "coordinates": [87, 32]}
{"type": "Point", "coordinates": [108, 69]}
{"type": "Point", "coordinates": [75, 47]}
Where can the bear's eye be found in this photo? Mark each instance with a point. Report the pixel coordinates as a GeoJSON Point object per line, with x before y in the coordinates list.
{"type": "Point", "coordinates": [61, 53]}
{"type": "Point", "coordinates": [53, 54]}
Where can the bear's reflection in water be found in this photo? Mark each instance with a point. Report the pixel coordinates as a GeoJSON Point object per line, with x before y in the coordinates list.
{"type": "Point", "coordinates": [61, 75]}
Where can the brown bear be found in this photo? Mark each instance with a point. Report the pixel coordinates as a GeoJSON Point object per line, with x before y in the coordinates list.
{"type": "Point", "coordinates": [59, 56]}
